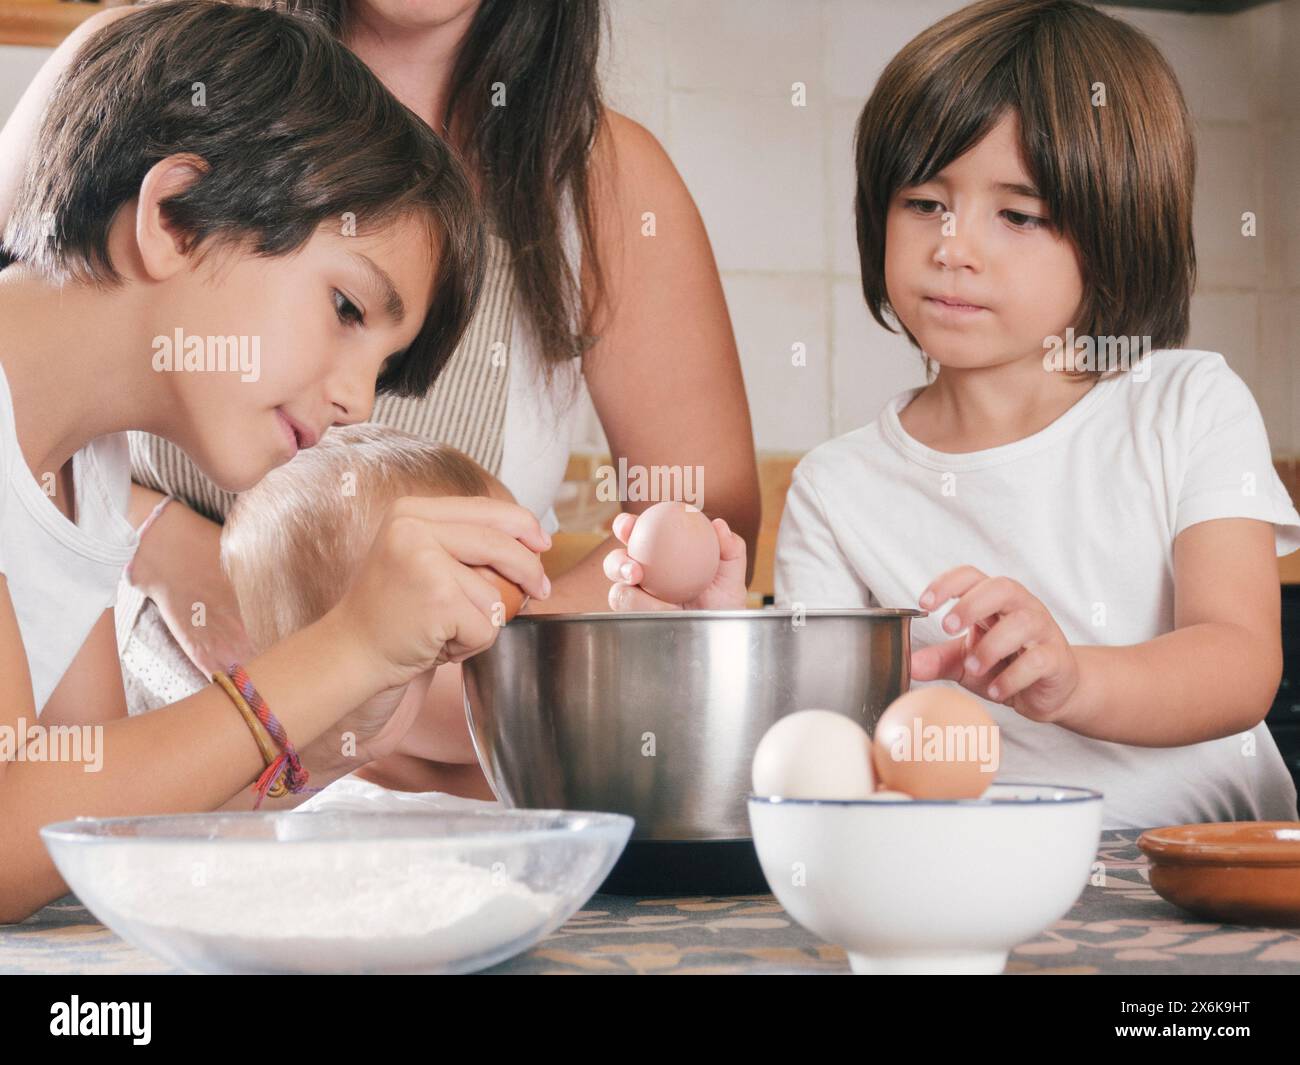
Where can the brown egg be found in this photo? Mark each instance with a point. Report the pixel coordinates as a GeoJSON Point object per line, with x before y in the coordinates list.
{"type": "Point", "coordinates": [512, 596]}
{"type": "Point", "coordinates": [677, 549]}
{"type": "Point", "coordinates": [936, 743]}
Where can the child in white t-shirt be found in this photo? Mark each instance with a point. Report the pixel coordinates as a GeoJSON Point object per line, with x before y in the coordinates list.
{"type": "Point", "coordinates": [1093, 548]}
{"type": "Point", "coordinates": [1107, 525]}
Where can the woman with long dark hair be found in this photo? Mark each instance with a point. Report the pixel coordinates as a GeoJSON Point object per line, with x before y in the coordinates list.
{"type": "Point", "coordinates": [600, 276]}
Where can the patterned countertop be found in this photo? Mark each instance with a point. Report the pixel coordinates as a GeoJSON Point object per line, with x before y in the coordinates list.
{"type": "Point", "coordinates": [1118, 925]}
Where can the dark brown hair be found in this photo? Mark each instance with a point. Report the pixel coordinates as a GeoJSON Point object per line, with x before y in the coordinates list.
{"type": "Point", "coordinates": [544, 53]}
{"type": "Point", "coordinates": [295, 131]}
{"type": "Point", "coordinates": [1117, 179]}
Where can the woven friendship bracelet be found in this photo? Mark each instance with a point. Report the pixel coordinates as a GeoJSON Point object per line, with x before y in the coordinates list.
{"type": "Point", "coordinates": [260, 735]}
{"type": "Point", "coordinates": [286, 763]}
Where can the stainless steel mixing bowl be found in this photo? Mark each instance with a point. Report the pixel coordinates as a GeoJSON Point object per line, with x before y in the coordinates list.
{"type": "Point", "coordinates": [658, 715]}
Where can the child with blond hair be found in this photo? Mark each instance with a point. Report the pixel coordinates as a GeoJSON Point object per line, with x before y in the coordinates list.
{"type": "Point", "coordinates": [291, 545]}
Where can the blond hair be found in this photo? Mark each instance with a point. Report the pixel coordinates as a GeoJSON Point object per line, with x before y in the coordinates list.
{"type": "Point", "coordinates": [292, 542]}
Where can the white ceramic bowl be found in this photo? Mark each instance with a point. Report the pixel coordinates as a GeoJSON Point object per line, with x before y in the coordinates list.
{"type": "Point", "coordinates": [929, 886]}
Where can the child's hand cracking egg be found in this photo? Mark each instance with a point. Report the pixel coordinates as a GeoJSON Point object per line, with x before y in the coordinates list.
{"type": "Point", "coordinates": [814, 754]}
{"type": "Point", "coordinates": [512, 596]}
{"type": "Point", "coordinates": [936, 743]}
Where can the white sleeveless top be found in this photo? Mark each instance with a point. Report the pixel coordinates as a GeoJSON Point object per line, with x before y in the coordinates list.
{"type": "Point", "coordinates": [61, 573]}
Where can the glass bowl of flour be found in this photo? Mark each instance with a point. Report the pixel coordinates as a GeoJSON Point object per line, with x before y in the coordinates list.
{"type": "Point", "coordinates": [337, 891]}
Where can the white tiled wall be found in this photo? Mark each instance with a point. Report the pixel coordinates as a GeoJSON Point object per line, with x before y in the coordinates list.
{"type": "Point", "coordinates": [712, 78]}
{"type": "Point", "coordinates": [17, 67]}
{"type": "Point", "coordinates": [774, 182]}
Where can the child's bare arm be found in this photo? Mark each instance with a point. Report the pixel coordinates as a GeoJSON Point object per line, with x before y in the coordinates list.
{"type": "Point", "coordinates": [90, 692]}
{"type": "Point", "coordinates": [1215, 675]}
{"type": "Point", "coordinates": [440, 733]}
{"type": "Point", "coordinates": [193, 755]}
{"type": "Point", "coordinates": [413, 603]}
{"type": "Point", "coordinates": [405, 772]}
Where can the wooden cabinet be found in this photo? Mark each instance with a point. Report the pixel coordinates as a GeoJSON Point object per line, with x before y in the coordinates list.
{"type": "Point", "coordinates": [42, 23]}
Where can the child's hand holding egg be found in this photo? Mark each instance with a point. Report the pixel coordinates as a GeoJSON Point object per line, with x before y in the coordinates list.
{"type": "Point", "coordinates": [675, 558]}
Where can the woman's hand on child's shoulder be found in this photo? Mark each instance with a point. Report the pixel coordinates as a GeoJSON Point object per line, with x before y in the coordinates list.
{"type": "Point", "coordinates": [726, 592]}
{"type": "Point", "coordinates": [1014, 652]}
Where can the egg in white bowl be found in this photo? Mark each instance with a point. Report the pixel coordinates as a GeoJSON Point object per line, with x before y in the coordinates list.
{"type": "Point", "coordinates": [929, 885]}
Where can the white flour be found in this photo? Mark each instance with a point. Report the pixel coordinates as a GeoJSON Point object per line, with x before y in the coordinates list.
{"type": "Point", "coordinates": [314, 907]}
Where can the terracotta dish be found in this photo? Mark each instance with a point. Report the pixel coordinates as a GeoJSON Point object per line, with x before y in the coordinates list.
{"type": "Point", "coordinates": [1242, 872]}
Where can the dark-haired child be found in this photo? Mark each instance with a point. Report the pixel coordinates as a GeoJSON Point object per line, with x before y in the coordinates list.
{"type": "Point", "coordinates": [1105, 513]}
{"type": "Point", "coordinates": [207, 175]}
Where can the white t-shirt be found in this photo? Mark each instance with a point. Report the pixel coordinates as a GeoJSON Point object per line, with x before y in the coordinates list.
{"type": "Point", "coordinates": [1083, 514]}
{"type": "Point", "coordinates": [61, 576]}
